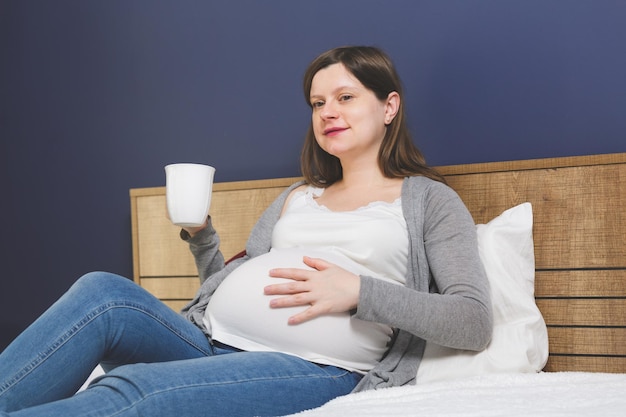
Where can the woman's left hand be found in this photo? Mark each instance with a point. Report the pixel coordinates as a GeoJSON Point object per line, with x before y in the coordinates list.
{"type": "Point", "coordinates": [327, 288]}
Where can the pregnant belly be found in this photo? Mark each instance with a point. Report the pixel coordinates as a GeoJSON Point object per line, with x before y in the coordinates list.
{"type": "Point", "coordinates": [239, 315]}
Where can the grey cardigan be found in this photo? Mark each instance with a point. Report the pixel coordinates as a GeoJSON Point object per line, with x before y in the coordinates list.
{"type": "Point", "coordinates": [446, 298]}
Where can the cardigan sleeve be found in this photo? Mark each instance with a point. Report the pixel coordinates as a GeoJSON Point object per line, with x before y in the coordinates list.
{"type": "Point", "coordinates": [205, 247]}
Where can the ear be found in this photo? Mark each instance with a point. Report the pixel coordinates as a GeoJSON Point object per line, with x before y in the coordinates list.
{"type": "Point", "coordinates": [392, 106]}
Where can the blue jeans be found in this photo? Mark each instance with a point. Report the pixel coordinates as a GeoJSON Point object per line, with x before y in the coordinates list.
{"type": "Point", "coordinates": [159, 364]}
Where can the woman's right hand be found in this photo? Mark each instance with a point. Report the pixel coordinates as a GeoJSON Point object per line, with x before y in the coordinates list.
{"type": "Point", "coordinates": [195, 229]}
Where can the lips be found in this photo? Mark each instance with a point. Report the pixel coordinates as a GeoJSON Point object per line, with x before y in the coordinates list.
{"type": "Point", "coordinates": [334, 130]}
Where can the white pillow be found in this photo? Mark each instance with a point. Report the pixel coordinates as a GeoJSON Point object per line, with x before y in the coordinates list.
{"type": "Point", "coordinates": [520, 336]}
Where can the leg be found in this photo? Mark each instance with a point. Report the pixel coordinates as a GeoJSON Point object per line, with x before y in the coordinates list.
{"type": "Point", "coordinates": [233, 384]}
{"type": "Point", "coordinates": [103, 317]}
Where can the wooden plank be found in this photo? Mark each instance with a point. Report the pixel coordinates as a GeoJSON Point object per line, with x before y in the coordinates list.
{"type": "Point", "coordinates": [586, 283]}
{"type": "Point", "coordinates": [134, 236]}
{"type": "Point", "coordinates": [256, 184]}
{"type": "Point", "coordinates": [147, 191]}
{"type": "Point", "coordinates": [579, 222]}
{"type": "Point", "coordinates": [583, 312]}
{"type": "Point", "coordinates": [172, 287]}
{"type": "Point", "coordinates": [558, 363]}
{"type": "Point", "coordinates": [587, 341]}
{"type": "Point", "coordinates": [176, 305]}
{"type": "Point", "coordinates": [528, 164]}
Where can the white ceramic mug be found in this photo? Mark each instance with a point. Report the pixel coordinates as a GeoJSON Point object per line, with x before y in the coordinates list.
{"type": "Point", "coordinates": [188, 190]}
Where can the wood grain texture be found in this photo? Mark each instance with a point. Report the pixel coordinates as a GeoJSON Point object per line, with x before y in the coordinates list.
{"type": "Point", "coordinates": [578, 220]}
{"type": "Point", "coordinates": [583, 311]}
{"type": "Point", "coordinates": [582, 363]}
{"type": "Point", "coordinates": [605, 341]}
{"type": "Point", "coordinates": [581, 283]}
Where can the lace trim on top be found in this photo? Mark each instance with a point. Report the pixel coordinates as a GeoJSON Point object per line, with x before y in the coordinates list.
{"type": "Point", "coordinates": [312, 193]}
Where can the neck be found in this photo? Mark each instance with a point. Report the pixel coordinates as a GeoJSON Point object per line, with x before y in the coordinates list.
{"type": "Point", "coordinates": [362, 175]}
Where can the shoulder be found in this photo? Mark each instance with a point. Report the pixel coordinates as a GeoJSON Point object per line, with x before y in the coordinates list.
{"type": "Point", "coordinates": [432, 198]}
{"type": "Point", "coordinates": [288, 194]}
{"type": "Point", "coordinates": [426, 187]}
{"type": "Point", "coordinates": [259, 241]}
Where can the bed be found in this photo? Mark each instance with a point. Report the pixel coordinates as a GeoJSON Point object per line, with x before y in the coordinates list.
{"type": "Point", "coordinates": [575, 277]}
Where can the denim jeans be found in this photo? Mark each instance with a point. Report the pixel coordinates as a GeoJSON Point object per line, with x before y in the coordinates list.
{"type": "Point", "coordinates": [158, 363]}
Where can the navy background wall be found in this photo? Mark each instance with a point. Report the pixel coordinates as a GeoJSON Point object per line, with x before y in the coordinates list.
{"type": "Point", "coordinates": [97, 96]}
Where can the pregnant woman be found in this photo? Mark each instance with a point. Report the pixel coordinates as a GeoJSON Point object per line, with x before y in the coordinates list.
{"type": "Point", "coordinates": [346, 276]}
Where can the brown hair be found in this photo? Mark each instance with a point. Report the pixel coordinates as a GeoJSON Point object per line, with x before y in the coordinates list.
{"type": "Point", "coordinates": [398, 156]}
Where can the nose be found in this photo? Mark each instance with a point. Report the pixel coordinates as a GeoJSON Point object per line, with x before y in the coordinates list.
{"type": "Point", "coordinates": [329, 111]}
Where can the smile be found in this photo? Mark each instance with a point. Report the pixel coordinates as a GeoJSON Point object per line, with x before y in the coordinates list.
{"type": "Point", "coordinates": [334, 130]}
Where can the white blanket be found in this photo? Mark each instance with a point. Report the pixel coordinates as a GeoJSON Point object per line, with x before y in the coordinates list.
{"type": "Point", "coordinates": [546, 394]}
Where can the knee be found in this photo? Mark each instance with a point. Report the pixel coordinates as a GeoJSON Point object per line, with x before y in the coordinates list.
{"type": "Point", "coordinates": [102, 283]}
{"type": "Point", "coordinates": [99, 278]}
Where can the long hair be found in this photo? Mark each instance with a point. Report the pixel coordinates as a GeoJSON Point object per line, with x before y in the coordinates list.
{"type": "Point", "coordinates": [398, 156]}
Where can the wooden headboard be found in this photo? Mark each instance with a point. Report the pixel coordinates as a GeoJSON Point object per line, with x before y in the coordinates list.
{"type": "Point", "coordinates": [579, 207]}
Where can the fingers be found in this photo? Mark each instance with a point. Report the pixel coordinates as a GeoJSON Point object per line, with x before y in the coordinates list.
{"type": "Point", "coordinates": [296, 291]}
{"type": "Point", "coordinates": [306, 315]}
{"type": "Point", "coordinates": [296, 274]}
{"type": "Point", "coordinates": [295, 287]}
{"type": "Point", "coordinates": [295, 300]}
{"type": "Point", "coordinates": [299, 273]}
{"type": "Point", "coordinates": [316, 263]}
{"type": "Point", "coordinates": [298, 279]}
{"type": "Point", "coordinates": [293, 297]}
{"type": "Point", "coordinates": [311, 312]}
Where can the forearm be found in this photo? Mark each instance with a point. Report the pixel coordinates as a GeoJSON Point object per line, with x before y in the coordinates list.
{"type": "Point", "coordinates": [453, 320]}
{"type": "Point", "coordinates": [205, 247]}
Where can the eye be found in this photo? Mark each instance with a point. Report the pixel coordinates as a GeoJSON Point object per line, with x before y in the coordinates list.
{"type": "Point", "coordinates": [317, 104]}
{"type": "Point", "coordinates": [346, 97]}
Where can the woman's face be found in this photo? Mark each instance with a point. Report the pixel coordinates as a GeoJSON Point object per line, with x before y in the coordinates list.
{"type": "Point", "coordinates": [348, 120]}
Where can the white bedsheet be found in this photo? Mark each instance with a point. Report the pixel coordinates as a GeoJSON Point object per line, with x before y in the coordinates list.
{"type": "Point", "coordinates": [546, 394]}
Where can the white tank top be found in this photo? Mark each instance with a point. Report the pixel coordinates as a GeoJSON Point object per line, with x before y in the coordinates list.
{"type": "Point", "coordinates": [371, 240]}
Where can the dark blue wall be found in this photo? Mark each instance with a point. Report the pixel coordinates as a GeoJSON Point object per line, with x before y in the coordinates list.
{"type": "Point", "coordinates": [97, 96]}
